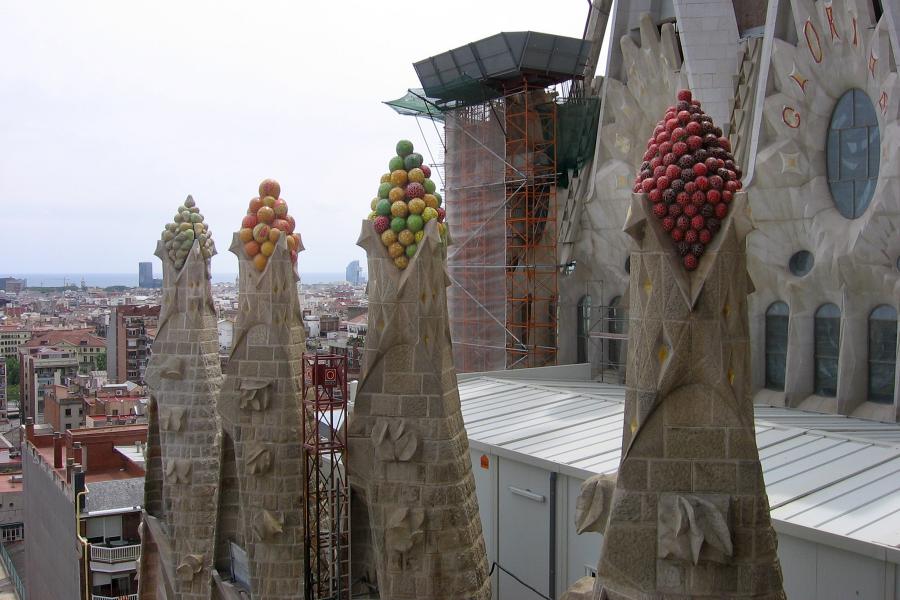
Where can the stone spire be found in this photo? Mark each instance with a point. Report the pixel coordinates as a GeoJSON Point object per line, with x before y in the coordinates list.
{"type": "Point", "coordinates": [184, 441]}
{"type": "Point", "coordinates": [689, 516]}
{"type": "Point", "coordinates": [261, 509]}
{"type": "Point", "coordinates": [409, 452]}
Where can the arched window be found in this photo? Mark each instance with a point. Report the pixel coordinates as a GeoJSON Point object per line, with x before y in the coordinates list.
{"type": "Point", "coordinates": [827, 345]}
{"type": "Point", "coordinates": [583, 327]}
{"type": "Point", "coordinates": [617, 326]}
{"type": "Point", "coordinates": [776, 344]}
{"type": "Point", "coordinates": [882, 353]}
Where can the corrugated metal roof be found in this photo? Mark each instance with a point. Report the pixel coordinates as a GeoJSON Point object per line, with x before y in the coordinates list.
{"type": "Point", "coordinates": [826, 473]}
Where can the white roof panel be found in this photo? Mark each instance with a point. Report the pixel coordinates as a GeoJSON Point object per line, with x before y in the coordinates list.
{"type": "Point", "coordinates": [827, 473]}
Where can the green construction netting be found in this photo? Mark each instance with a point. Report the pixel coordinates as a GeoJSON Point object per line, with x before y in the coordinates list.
{"type": "Point", "coordinates": [577, 122]}
{"type": "Point", "coordinates": [416, 104]}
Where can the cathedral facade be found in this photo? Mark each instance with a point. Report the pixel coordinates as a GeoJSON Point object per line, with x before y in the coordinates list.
{"type": "Point", "coordinates": [807, 92]}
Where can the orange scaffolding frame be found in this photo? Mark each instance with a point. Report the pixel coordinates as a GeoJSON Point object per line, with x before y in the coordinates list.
{"type": "Point", "coordinates": [501, 202]}
{"type": "Point", "coordinates": [532, 291]}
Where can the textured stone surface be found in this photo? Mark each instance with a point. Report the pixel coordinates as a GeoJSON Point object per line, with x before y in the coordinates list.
{"type": "Point", "coordinates": [855, 260]}
{"type": "Point", "coordinates": [409, 455]}
{"type": "Point", "coordinates": [688, 445]}
{"type": "Point", "coordinates": [184, 444]}
{"type": "Point", "coordinates": [260, 408]}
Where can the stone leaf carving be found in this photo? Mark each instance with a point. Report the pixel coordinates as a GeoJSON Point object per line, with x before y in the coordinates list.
{"type": "Point", "coordinates": [172, 418]}
{"type": "Point", "coordinates": [189, 567]}
{"type": "Point", "coordinates": [394, 441]}
{"type": "Point", "coordinates": [178, 471]}
{"type": "Point", "coordinates": [164, 367]}
{"type": "Point", "coordinates": [689, 525]}
{"type": "Point", "coordinates": [404, 528]}
{"type": "Point", "coordinates": [259, 458]}
{"type": "Point", "coordinates": [255, 393]}
{"type": "Point", "coordinates": [268, 525]}
{"type": "Point", "coordinates": [594, 502]}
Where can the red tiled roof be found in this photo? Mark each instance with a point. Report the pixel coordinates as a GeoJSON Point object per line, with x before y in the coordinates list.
{"type": "Point", "coordinates": [53, 337]}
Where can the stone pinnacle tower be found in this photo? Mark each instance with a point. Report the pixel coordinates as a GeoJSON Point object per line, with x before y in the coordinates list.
{"type": "Point", "coordinates": [261, 506]}
{"type": "Point", "coordinates": [689, 515]}
{"type": "Point", "coordinates": [184, 443]}
{"type": "Point", "coordinates": [408, 446]}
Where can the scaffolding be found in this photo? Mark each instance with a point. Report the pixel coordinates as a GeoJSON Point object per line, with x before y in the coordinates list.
{"type": "Point", "coordinates": [531, 265]}
{"type": "Point", "coordinates": [500, 100]}
{"type": "Point", "coordinates": [475, 204]}
{"type": "Point", "coordinates": [326, 492]}
{"type": "Point", "coordinates": [607, 338]}
{"type": "Point", "coordinates": [501, 199]}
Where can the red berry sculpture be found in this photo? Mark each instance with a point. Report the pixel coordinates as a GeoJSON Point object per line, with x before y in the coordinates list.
{"type": "Point", "coordinates": [690, 177]}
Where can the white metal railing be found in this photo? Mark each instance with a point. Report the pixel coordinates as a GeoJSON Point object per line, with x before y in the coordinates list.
{"type": "Point", "coordinates": [122, 597]}
{"type": "Point", "coordinates": [117, 554]}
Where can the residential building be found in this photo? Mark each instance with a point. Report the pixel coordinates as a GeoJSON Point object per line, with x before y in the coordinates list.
{"type": "Point", "coordinates": [328, 324]}
{"type": "Point", "coordinates": [63, 409]}
{"type": "Point", "coordinates": [116, 404]}
{"type": "Point", "coordinates": [95, 478]}
{"type": "Point", "coordinates": [3, 397]}
{"type": "Point", "coordinates": [40, 367]}
{"type": "Point", "coordinates": [11, 337]}
{"type": "Point", "coordinates": [225, 328]}
{"type": "Point", "coordinates": [88, 348]}
{"type": "Point", "coordinates": [357, 326]}
{"type": "Point", "coordinates": [128, 341]}
{"type": "Point", "coordinates": [11, 284]}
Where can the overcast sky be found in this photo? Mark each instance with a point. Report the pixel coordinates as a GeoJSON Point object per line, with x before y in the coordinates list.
{"type": "Point", "coordinates": [112, 112]}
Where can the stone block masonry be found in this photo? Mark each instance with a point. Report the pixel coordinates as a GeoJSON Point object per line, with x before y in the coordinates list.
{"type": "Point", "coordinates": [184, 454]}
{"type": "Point", "coordinates": [409, 453]}
{"type": "Point", "coordinates": [689, 515]}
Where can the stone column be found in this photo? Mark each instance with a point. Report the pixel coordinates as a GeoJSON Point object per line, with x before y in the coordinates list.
{"type": "Point", "coordinates": [409, 451]}
{"type": "Point", "coordinates": [689, 515]}
{"type": "Point", "coordinates": [184, 449]}
{"type": "Point", "coordinates": [260, 406]}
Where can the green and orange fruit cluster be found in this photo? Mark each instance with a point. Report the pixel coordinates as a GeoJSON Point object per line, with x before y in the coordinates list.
{"type": "Point", "coordinates": [407, 199]}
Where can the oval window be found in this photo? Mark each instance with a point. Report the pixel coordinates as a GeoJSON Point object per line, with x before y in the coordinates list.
{"type": "Point", "coordinates": [801, 263]}
{"type": "Point", "coordinates": [853, 153]}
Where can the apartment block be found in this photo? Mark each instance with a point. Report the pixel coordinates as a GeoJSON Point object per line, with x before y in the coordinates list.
{"type": "Point", "coordinates": [91, 484]}
{"type": "Point", "coordinates": [128, 340]}
{"type": "Point", "coordinates": [40, 367]}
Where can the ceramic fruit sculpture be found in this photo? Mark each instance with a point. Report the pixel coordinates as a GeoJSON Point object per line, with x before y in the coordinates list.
{"type": "Point", "coordinates": [407, 199]}
{"type": "Point", "coordinates": [186, 227]}
{"type": "Point", "coordinates": [267, 219]}
{"type": "Point", "coordinates": [689, 176]}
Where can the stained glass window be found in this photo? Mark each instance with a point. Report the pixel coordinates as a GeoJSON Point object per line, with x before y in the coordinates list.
{"type": "Point", "coordinates": [827, 347]}
{"type": "Point", "coordinates": [801, 263]}
{"type": "Point", "coordinates": [853, 153]}
{"type": "Point", "coordinates": [776, 344]}
{"type": "Point", "coordinates": [882, 353]}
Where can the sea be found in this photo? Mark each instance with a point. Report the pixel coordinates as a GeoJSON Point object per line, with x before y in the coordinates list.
{"type": "Point", "coordinates": [131, 279]}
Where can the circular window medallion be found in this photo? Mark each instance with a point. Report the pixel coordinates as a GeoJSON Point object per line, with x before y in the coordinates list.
{"type": "Point", "coordinates": [801, 263]}
{"type": "Point", "coordinates": [853, 153]}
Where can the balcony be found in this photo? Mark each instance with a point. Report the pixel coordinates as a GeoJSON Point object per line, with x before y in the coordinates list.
{"type": "Point", "coordinates": [115, 554]}
{"type": "Point", "coordinates": [125, 597]}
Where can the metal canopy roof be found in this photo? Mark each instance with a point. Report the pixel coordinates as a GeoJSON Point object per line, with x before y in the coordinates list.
{"type": "Point", "coordinates": [824, 474]}
{"type": "Point", "coordinates": [478, 71]}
